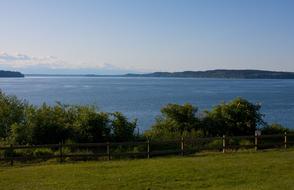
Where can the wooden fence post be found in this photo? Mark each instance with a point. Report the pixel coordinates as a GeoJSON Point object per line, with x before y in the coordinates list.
{"type": "Point", "coordinates": [148, 148]}
{"type": "Point", "coordinates": [11, 156]}
{"type": "Point", "coordinates": [224, 143]}
{"type": "Point", "coordinates": [60, 152]}
{"type": "Point", "coordinates": [108, 150]}
{"type": "Point", "coordinates": [182, 146]}
{"type": "Point", "coordinates": [285, 140]}
{"type": "Point", "coordinates": [256, 142]}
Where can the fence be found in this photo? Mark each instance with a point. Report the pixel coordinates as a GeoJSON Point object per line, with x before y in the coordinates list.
{"type": "Point", "coordinates": [142, 149]}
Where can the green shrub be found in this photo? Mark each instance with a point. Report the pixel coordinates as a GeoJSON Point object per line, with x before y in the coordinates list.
{"type": "Point", "coordinates": [245, 142]}
{"type": "Point", "coordinates": [274, 129]}
{"type": "Point", "coordinates": [215, 144]}
{"type": "Point", "coordinates": [43, 152]}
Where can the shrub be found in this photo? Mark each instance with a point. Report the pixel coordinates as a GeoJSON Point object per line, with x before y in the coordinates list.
{"type": "Point", "coordinates": [43, 152]}
{"type": "Point", "coordinates": [238, 117]}
{"type": "Point", "coordinates": [11, 112]}
{"type": "Point", "coordinates": [274, 129]}
{"type": "Point", "coordinates": [245, 142]}
{"type": "Point", "coordinates": [215, 144]}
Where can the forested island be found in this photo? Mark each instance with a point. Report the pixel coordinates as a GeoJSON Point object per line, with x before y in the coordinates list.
{"type": "Point", "coordinates": [10, 74]}
{"type": "Point", "coordinates": [225, 74]}
{"type": "Point", "coordinates": [236, 74]}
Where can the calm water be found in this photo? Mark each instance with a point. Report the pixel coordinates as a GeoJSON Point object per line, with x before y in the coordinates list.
{"type": "Point", "coordinates": [142, 98]}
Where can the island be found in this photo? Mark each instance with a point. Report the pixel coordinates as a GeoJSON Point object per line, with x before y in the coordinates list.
{"type": "Point", "coordinates": [10, 74]}
{"type": "Point", "coordinates": [230, 74]}
{"type": "Point", "coordinates": [223, 74]}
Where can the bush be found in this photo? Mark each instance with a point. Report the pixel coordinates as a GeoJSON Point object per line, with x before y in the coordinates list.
{"type": "Point", "coordinates": [236, 118]}
{"type": "Point", "coordinates": [175, 121]}
{"type": "Point", "coordinates": [122, 129]}
{"type": "Point", "coordinates": [215, 144]}
{"type": "Point", "coordinates": [43, 152]}
{"type": "Point", "coordinates": [244, 142]}
{"type": "Point", "coordinates": [274, 129]}
{"type": "Point", "coordinates": [11, 112]}
{"type": "Point", "coordinates": [21, 123]}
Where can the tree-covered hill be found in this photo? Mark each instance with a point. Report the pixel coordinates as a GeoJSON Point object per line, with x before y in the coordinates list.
{"type": "Point", "coordinates": [10, 74]}
{"type": "Point", "coordinates": [242, 74]}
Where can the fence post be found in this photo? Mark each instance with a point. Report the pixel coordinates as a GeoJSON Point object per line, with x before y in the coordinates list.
{"type": "Point", "coordinates": [148, 148]}
{"type": "Point", "coordinates": [11, 156]}
{"type": "Point", "coordinates": [285, 140]}
{"type": "Point", "coordinates": [256, 142]}
{"type": "Point", "coordinates": [60, 152]}
{"type": "Point", "coordinates": [108, 150]}
{"type": "Point", "coordinates": [182, 146]}
{"type": "Point", "coordinates": [224, 143]}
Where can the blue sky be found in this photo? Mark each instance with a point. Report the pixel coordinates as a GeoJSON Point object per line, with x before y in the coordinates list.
{"type": "Point", "coordinates": [119, 36]}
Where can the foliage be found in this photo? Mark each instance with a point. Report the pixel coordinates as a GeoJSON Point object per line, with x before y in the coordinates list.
{"type": "Point", "coordinates": [122, 129]}
{"type": "Point", "coordinates": [21, 123]}
{"type": "Point", "coordinates": [90, 126]}
{"type": "Point", "coordinates": [238, 117]}
{"type": "Point", "coordinates": [175, 120]}
{"type": "Point", "coordinates": [215, 144]}
{"type": "Point", "coordinates": [43, 152]}
{"type": "Point", "coordinates": [11, 112]}
{"type": "Point", "coordinates": [274, 129]}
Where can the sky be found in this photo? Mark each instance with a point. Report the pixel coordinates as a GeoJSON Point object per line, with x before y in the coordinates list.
{"type": "Point", "coordinates": [122, 36]}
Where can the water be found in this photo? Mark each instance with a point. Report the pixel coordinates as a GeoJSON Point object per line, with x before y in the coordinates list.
{"type": "Point", "coordinates": [142, 98]}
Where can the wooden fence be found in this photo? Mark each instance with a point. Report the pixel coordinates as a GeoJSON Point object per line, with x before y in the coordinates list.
{"type": "Point", "coordinates": [142, 149]}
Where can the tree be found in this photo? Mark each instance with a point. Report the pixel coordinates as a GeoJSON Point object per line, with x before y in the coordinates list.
{"type": "Point", "coordinates": [11, 112]}
{"type": "Point", "coordinates": [238, 117]}
{"type": "Point", "coordinates": [123, 130]}
{"type": "Point", "coordinates": [274, 129]}
{"type": "Point", "coordinates": [50, 124]}
{"type": "Point", "coordinates": [90, 125]}
{"type": "Point", "coordinates": [21, 133]}
{"type": "Point", "coordinates": [174, 121]}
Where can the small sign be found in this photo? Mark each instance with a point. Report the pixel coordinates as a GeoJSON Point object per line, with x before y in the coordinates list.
{"type": "Point", "coordinates": [257, 133]}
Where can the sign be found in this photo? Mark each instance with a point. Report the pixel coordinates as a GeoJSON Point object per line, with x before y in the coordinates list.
{"type": "Point", "coordinates": [257, 133]}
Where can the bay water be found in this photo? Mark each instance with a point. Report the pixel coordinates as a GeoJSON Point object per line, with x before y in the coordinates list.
{"type": "Point", "coordinates": [142, 98]}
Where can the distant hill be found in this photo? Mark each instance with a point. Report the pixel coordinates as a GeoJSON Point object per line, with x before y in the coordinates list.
{"type": "Point", "coordinates": [10, 74]}
{"type": "Point", "coordinates": [236, 74]}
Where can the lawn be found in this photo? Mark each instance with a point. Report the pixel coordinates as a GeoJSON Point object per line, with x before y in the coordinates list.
{"type": "Point", "coordinates": [261, 170]}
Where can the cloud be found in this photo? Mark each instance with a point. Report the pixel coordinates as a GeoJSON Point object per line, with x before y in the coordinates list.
{"type": "Point", "coordinates": [23, 61]}
{"type": "Point", "coordinates": [54, 65]}
{"type": "Point", "coordinates": [17, 57]}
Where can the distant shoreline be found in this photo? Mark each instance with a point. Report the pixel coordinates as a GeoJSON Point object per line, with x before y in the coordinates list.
{"type": "Point", "coordinates": [11, 74]}
{"type": "Point", "coordinates": [216, 74]}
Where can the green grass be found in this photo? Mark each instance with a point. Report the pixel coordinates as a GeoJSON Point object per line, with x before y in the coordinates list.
{"type": "Point", "coordinates": [261, 170]}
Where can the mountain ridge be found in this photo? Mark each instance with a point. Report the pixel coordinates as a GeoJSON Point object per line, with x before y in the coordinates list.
{"type": "Point", "coordinates": [221, 73]}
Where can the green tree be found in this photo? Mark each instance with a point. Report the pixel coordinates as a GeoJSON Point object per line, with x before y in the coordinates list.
{"type": "Point", "coordinates": [50, 124]}
{"type": "Point", "coordinates": [21, 133]}
{"type": "Point", "coordinates": [11, 112]}
{"type": "Point", "coordinates": [122, 129]}
{"type": "Point", "coordinates": [174, 121]}
{"type": "Point", "coordinates": [238, 117]}
{"type": "Point", "coordinates": [274, 129]}
{"type": "Point", "coordinates": [90, 125]}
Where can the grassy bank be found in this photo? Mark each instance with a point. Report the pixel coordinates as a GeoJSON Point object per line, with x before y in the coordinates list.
{"type": "Point", "coordinates": [261, 170]}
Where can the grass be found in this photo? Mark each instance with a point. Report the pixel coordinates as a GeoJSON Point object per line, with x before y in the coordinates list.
{"type": "Point", "coordinates": [261, 170]}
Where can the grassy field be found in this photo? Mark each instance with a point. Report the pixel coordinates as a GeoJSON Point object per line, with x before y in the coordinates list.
{"type": "Point", "coordinates": [261, 170]}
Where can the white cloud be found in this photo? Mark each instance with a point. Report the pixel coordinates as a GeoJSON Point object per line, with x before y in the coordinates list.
{"type": "Point", "coordinates": [54, 65]}
{"type": "Point", "coordinates": [18, 60]}
{"type": "Point", "coordinates": [17, 57]}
